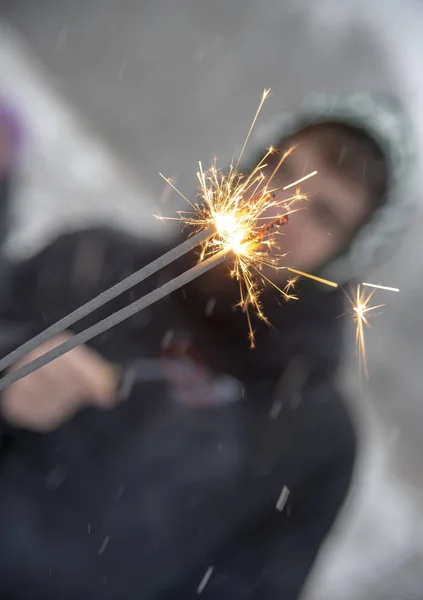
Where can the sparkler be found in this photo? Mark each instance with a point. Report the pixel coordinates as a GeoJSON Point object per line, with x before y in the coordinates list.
{"type": "Point", "coordinates": [114, 319]}
{"type": "Point", "coordinates": [230, 219]}
{"type": "Point", "coordinates": [237, 207]}
{"type": "Point", "coordinates": [105, 297]}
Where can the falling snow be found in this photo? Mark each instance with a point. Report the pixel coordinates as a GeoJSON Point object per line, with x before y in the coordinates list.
{"type": "Point", "coordinates": [126, 385]}
{"type": "Point", "coordinates": [275, 409]}
{"type": "Point", "coordinates": [205, 580]}
{"type": "Point", "coordinates": [167, 338]}
{"type": "Point", "coordinates": [55, 478]}
{"type": "Point", "coordinates": [122, 70]}
{"type": "Point", "coordinates": [120, 492]}
{"type": "Point", "coordinates": [283, 497]}
{"type": "Point", "coordinates": [104, 545]}
{"type": "Point", "coordinates": [210, 306]}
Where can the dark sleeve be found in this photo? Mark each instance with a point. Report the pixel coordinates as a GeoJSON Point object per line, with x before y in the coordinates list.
{"type": "Point", "coordinates": [67, 273]}
{"type": "Point", "coordinates": [71, 271]}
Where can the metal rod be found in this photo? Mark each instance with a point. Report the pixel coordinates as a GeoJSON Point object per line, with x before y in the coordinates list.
{"type": "Point", "coordinates": [113, 319]}
{"type": "Point", "coordinates": [106, 296]}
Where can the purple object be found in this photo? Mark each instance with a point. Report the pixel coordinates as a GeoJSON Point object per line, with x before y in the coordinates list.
{"type": "Point", "coordinates": [11, 123]}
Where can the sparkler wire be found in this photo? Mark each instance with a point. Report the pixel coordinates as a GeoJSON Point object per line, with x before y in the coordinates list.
{"type": "Point", "coordinates": [106, 296]}
{"type": "Point", "coordinates": [114, 319]}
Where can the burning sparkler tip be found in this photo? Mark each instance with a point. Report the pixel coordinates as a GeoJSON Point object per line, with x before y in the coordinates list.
{"type": "Point", "coordinates": [233, 207]}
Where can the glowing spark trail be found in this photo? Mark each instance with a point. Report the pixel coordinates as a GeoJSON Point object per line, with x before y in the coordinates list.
{"type": "Point", "coordinates": [381, 287]}
{"type": "Point", "coordinates": [300, 180]}
{"type": "Point", "coordinates": [290, 285]}
{"type": "Point", "coordinates": [314, 277]}
{"type": "Point", "coordinates": [360, 308]}
{"type": "Point", "coordinates": [263, 98]}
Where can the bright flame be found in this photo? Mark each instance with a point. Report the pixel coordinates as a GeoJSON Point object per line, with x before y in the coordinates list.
{"type": "Point", "coordinates": [237, 208]}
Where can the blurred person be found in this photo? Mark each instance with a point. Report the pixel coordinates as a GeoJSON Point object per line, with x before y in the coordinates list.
{"type": "Point", "coordinates": [219, 470]}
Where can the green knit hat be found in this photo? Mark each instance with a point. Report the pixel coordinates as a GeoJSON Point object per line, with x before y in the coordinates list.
{"type": "Point", "coordinates": [385, 120]}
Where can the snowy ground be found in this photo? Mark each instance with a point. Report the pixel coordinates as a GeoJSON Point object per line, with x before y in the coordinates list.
{"type": "Point", "coordinates": [163, 84]}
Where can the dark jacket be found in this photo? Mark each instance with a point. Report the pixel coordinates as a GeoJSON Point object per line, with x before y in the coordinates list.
{"type": "Point", "coordinates": [182, 479]}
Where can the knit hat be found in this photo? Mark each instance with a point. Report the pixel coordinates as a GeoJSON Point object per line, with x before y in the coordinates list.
{"type": "Point", "coordinates": [385, 120]}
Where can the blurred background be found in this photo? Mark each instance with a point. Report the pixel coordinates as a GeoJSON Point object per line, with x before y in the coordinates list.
{"type": "Point", "coordinates": [112, 92]}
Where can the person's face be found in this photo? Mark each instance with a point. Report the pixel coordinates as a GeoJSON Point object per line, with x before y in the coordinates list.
{"type": "Point", "coordinates": [327, 220]}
